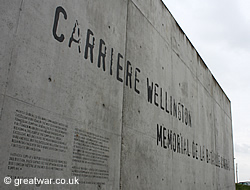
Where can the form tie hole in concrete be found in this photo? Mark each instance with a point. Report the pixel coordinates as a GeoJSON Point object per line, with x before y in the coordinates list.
{"type": "Point", "coordinates": [99, 187]}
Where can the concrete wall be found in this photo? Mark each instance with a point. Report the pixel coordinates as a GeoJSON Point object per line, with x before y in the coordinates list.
{"type": "Point", "coordinates": [110, 92]}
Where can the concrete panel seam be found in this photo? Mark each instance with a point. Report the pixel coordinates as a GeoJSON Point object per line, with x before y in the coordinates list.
{"type": "Point", "coordinates": [175, 53]}
{"type": "Point", "coordinates": [20, 9]}
{"type": "Point", "coordinates": [122, 106]}
{"type": "Point", "coordinates": [203, 85]}
{"type": "Point", "coordinates": [10, 60]}
{"type": "Point", "coordinates": [150, 22]}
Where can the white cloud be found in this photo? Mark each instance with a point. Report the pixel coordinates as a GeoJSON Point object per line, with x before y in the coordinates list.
{"type": "Point", "coordinates": [242, 148]}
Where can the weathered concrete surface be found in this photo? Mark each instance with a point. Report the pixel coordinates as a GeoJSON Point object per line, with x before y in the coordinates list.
{"type": "Point", "coordinates": [53, 80]}
{"type": "Point", "coordinates": [167, 58]}
{"type": "Point", "coordinates": [95, 90]}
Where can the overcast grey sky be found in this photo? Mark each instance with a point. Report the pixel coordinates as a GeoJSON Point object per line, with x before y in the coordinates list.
{"type": "Point", "coordinates": [220, 32]}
